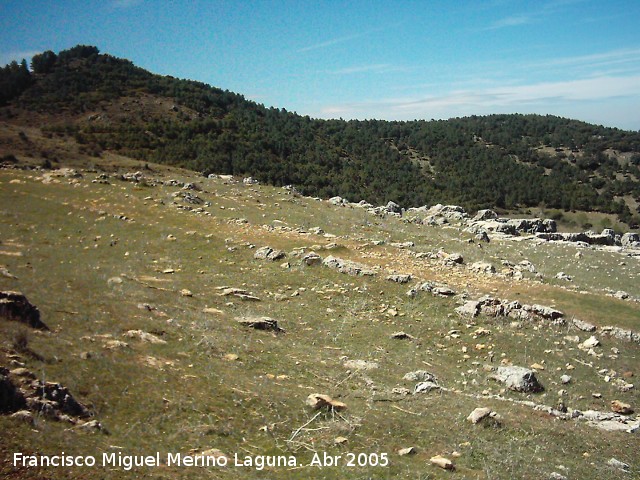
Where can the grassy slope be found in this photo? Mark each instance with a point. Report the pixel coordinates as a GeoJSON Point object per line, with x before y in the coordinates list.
{"type": "Point", "coordinates": [186, 396]}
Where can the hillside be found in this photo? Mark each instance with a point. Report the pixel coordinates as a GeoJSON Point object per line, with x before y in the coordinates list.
{"type": "Point", "coordinates": [104, 105]}
{"type": "Point", "coordinates": [142, 329]}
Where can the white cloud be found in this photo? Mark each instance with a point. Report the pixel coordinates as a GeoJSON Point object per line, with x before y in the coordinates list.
{"type": "Point", "coordinates": [562, 97]}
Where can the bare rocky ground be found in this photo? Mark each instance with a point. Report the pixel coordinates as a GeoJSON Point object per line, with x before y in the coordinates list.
{"type": "Point", "coordinates": [163, 311]}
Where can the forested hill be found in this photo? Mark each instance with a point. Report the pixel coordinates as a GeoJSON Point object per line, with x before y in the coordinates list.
{"type": "Point", "coordinates": [503, 161]}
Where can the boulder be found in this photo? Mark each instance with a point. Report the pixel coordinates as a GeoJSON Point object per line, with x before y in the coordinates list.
{"type": "Point", "coordinates": [519, 379]}
{"type": "Point", "coordinates": [482, 215]}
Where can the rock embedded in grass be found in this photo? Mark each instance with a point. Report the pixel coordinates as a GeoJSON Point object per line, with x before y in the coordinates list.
{"type": "Point", "coordinates": [519, 379]}
{"type": "Point", "coordinates": [260, 323]}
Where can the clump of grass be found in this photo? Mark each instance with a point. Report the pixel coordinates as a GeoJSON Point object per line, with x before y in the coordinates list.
{"type": "Point", "coordinates": [20, 341]}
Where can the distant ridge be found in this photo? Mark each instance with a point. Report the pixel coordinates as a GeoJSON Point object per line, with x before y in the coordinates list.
{"type": "Point", "coordinates": [497, 161]}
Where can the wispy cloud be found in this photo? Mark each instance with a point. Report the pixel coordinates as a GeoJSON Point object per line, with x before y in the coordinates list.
{"type": "Point", "coordinates": [541, 97]}
{"type": "Point", "coordinates": [374, 68]}
{"type": "Point", "coordinates": [346, 38]}
{"type": "Point", "coordinates": [512, 21]}
{"type": "Point", "coordinates": [333, 41]}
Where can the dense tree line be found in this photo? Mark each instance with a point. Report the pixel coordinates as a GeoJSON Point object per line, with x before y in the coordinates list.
{"type": "Point", "coordinates": [503, 161]}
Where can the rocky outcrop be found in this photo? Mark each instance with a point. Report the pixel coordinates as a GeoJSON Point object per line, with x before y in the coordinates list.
{"type": "Point", "coordinates": [495, 307]}
{"type": "Point", "coordinates": [347, 266]}
{"type": "Point", "coordinates": [15, 306]}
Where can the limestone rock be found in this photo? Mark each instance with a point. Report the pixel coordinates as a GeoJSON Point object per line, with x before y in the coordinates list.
{"type": "Point", "coordinates": [620, 407]}
{"type": "Point", "coordinates": [584, 326]}
{"type": "Point", "coordinates": [145, 337]}
{"type": "Point", "coordinates": [519, 379]}
{"type": "Point", "coordinates": [482, 267]}
{"type": "Point", "coordinates": [420, 376]}
{"type": "Point", "coordinates": [399, 278]}
{"type": "Point", "coordinates": [360, 365]}
{"type": "Point", "coordinates": [469, 309]}
{"type": "Point", "coordinates": [318, 401]}
{"type": "Point", "coordinates": [424, 387]}
{"type": "Point", "coordinates": [615, 463]}
{"type": "Point", "coordinates": [479, 414]}
{"type": "Point", "coordinates": [442, 462]}
{"type": "Point", "coordinates": [347, 266]}
{"type": "Point", "coordinates": [311, 259]}
{"type": "Point", "coordinates": [407, 451]}
{"type": "Point", "coordinates": [268, 253]}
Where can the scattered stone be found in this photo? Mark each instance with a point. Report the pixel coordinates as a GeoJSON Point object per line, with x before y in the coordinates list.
{"type": "Point", "coordinates": [589, 343]}
{"type": "Point", "coordinates": [442, 462]}
{"type": "Point", "coordinates": [402, 336]}
{"type": "Point", "coordinates": [400, 391]}
{"type": "Point", "coordinates": [479, 414]}
{"type": "Point", "coordinates": [519, 379]}
{"type": "Point", "coordinates": [557, 476]}
{"type": "Point", "coordinates": [241, 293]}
{"type": "Point", "coordinates": [24, 416]}
{"type": "Point", "coordinates": [482, 267]}
{"type": "Point", "coordinates": [420, 376]}
{"type": "Point", "coordinates": [424, 387]}
{"type": "Point", "coordinates": [407, 451]}
{"type": "Point", "coordinates": [620, 407]}
{"type": "Point", "coordinates": [360, 365]}
{"type": "Point", "coordinates": [15, 306]}
{"type": "Point", "coordinates": [145, 337]}
{"type": "Point", "coordinates": [340, 440]}
{"type": "Point", "coordinates": [347, 266]}
{"type": "Point", "coordinates": [311, 259]}
{"type": "Point", "coordinates": [260, 323]}
{"type": "Point", "coordinates": [564, 276]}
{"type": "Point", "coordinates": [565, 379]}
{"type": "Point", "coordinates": [615, 463]}
{"type": "Point", "coordinates": [186, 293]}
{"type": "Point", "coordinates": [584, 326]}
{"type": "Point", "coordinates": [6, 273]}
{"type": "Point", "coordinates": [318, 401]}
{"type": "Point", "coordinates": [399, 278]}
{"type": "Point", "coordinates": [621, 334]}
{"type": "Point", "coordinates": [268, 253]}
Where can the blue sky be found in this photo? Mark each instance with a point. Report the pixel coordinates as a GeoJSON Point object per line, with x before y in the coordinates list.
{"type": "Point", "coordinates": [366, 59]}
